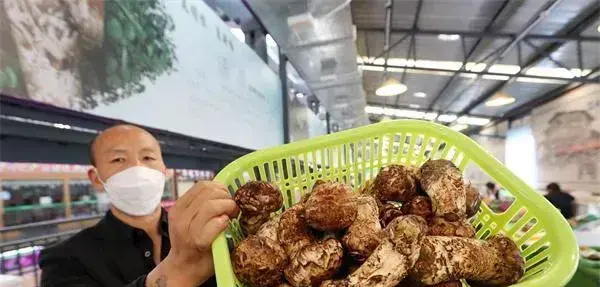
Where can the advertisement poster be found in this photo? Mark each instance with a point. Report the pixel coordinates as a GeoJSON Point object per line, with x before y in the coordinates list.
{"type": "Point", "coordinates": [168, 64]}
{"type": "Point", "coordinates": [567, 133]}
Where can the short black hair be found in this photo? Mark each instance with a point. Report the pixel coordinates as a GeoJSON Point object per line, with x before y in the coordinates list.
{"type": "Point", "coordinates": [490, 185]}
{"type": "Point", "coordinates": [553, 187]}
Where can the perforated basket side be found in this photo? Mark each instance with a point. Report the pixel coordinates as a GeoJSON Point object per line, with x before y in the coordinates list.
{"type": "Point", "coordinates": [355, 156]}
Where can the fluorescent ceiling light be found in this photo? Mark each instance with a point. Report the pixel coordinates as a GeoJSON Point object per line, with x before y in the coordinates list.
{"type": "Point", "coordinates": [550, 72]}
{"type": "Point", "coordinates": [495, 77]}
{"type": "Point", "coordinates": [411, 114]}
{"type": "Point", "coordinates": [448, 37]}
{"type": "Point", "coordinates": [446, 118]}
{"type": "Point", "coordinates": [580, 73]}
{"type": "Point", "coordinates": [451, 66]}
{"type": "Point", "coordinates": [475, 67]}
{"type": "Point", "coordinates": [504, 69]}
{"type": "Point", "coordinates": [389, 112]}
{"type": "Point", "coordinates": [368, 59]}
{"type": "Point", "coordinates": [444, 65]}
{"type": "Point", "coordinates": [476, 121]}
{"type": "Point", "coordinates": [391, 87]}
{"type": "Point", "coordinates": [430, 116]}
{"type": "Point", "coordinates": [598, 28]}
{"type": "Point", "coordinates": [420, 95]}
{"type": "Point", "coordinates": [414, 106]}
{"type": "Point", "coordinates": [62, 126]}
{"type": "Point", "coordinates": [379, 61]}
{"type": "Point", "coordinates": [399, 113]}
{"type": "Point", "coordinates": [539, 81]}
{"type": "Point", "coordinates": [459, 127]}
{"type": "Point", "coordinates": [372, 68]}
{"type": "Point", "coordinates": [500, 99]}
{"type": "Point", "coordinates": [399, 62]}
{"type": "Point", "coordinates": [374, 110]}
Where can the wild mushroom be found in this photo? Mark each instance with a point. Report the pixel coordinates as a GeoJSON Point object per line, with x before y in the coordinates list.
{"type": "Point", "coordinates": [363, 236]}
{"type": "Point", "coordinates": [259, 261]}
{"type": "Point", "coordinates": [496, 261]}
{"type": "Point", "coordinates": [443, 182]}
{"type": "Point", "coordinates": [395, 183]}
{"type": "Point", "coordinates": [330, 207]}
{"type": "Point", "coordinates": [394, 257]}
{"type": "Point", "coordinates": [315, 263]}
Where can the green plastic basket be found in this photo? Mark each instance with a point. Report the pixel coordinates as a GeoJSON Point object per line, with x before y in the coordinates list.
{"type": "Point", "coordinates": [355, 156]}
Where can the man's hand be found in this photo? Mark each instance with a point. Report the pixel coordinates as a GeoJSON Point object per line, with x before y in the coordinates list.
{"type": "Point", "coordinates": [194, 222]}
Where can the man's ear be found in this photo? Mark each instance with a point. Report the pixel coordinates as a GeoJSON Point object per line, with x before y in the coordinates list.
{"type": "Point", "coordinates": [95, 179]}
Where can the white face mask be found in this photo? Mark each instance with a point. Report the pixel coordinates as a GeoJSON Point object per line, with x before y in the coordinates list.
{"type": "Point", "coordinates": [136, 190]}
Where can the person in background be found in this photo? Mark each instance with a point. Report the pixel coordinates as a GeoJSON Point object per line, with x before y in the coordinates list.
{"type": "Point", "coordinates": [137, 243]}
{"type": "Point", "coordinates": [492, 191]}
{"type": "Point", "coordinates": [561, 200]}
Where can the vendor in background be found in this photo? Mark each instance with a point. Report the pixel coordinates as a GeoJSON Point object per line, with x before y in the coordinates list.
{"type": "Point", "coordinates": [492, 191]}
{"type": "Point", "coordinates": [561, 200]}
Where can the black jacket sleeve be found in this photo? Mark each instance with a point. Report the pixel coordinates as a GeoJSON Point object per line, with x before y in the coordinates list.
{"type": "Point", "coordinates": [65, 271]}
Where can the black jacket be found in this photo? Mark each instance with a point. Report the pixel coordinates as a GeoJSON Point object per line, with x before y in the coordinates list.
{"type": "Point", "coordinates": [110, 253]}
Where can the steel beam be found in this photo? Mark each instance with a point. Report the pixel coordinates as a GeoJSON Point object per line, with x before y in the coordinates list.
{"type": "Point", "coordinates": [411, 45]}
{"type": "Point", "coordinates": [469, 54]}
{"type": "Point", "coordinates": [547, 55]}
{"type": "Point", "coordinates": [385, 51]}
{"type": "Point", "coordinates": [580, 23]}
{"type": "Point", "coordinates": [559, 37]}
{"type": "Point", "coordinates": [540, 16]}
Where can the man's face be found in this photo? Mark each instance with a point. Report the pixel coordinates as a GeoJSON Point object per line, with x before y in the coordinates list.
{"type": "Point", "coordinates": [122, 147]}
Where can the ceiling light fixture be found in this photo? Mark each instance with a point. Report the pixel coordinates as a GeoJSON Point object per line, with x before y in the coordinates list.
{"type": "Point", "coordinates": [446, 118]}
{"type": "Point", "coordinates": [430, 116]}
{"type": "Point", "coordinates": [495, 77]}
{"type": "Point", "coordinates": [414, 106]}
{"type": "Point", "coordinates": [598, 28]}
{"type": "Point", "coordinates": [374, 110]}
{"type": "Point", "coordinates": [504, 69]}
{"type": "Point", "coordinates": [372, 68]}
{"type": "Point", "coordinates": [475, 67]}
{"type": "Point", "coordinates": [459, 127]}
{"type": "Point", "coordinates": [448, 37]}
{"type": "Point", "coordinates": [500, 99]}
{"type": "Point", "coordinates": [476, 121]}
{"type": "Point", "coordinates": [420, 95]}
{"type": "Point", "coordinates": [391, 87]}
{"type": "Point", "coordinates": [411, 114]}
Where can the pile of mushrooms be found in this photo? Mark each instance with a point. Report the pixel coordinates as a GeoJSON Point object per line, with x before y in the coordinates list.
{"type": "Point", "coordinates": [408, 227]}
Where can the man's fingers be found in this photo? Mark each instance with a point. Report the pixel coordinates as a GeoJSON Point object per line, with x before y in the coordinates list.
{"type": "Point", "coordinates": [216, 207]}
{"type": "Point", "coordinates": [206, 235]}
{"type": "Point", "coordinates": [204, 189]}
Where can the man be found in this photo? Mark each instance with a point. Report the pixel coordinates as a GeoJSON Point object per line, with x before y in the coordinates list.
{"type": "Point", "coordinates": [135, 244]}
{"type": "Point", "coordinates": [561, 200]}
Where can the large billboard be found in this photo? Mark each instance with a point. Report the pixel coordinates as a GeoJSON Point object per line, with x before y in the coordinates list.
{"type": "Point", "coordinates": [168, 64]}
